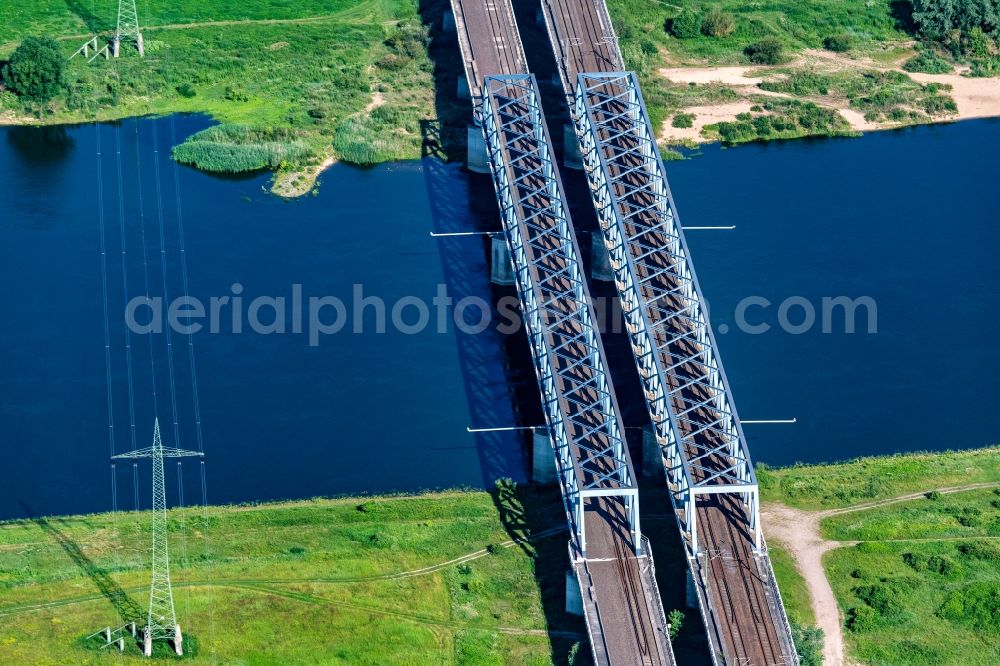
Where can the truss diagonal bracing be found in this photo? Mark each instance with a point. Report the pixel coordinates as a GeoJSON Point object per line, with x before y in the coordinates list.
{"type": "Point", "coordinates": [690, 403]}
{"type": "Point", "coordinates": [685, 386]}
{"type": "Point", "coordinates": [580, 407]}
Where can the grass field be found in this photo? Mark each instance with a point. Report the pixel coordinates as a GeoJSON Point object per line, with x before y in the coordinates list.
{"type": "Point", "coordinates": [322, 582]}
{"type": "Point", "coordinates": [923, 588]}
{"type": "Point", "coordinates": [919, 582]}
{"type": "Point", "coordinates": [872, 478]}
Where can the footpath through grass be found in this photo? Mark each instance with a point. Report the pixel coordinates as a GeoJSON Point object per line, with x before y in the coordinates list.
{"type": "Point", "coordinates": [346, 581]}
{"type": "Point", "coordinates": [922, 586]}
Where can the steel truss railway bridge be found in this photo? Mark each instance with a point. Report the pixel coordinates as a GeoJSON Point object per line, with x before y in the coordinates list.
{"type": "Point", "coordinates": [700, 441]}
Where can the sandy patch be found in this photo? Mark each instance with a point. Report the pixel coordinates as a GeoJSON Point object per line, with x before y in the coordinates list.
{"type": "Point", "coordinates": [703, 115]}
{"type": "Point", "coordinates": [296, 183]}
{"type": "Point", "coordinates": [975, 97]}
{"type": "Point", "coordinates": [731, 76]}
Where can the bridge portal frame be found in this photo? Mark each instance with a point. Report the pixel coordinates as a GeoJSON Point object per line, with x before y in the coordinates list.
{"type": "Point", "coordinates": [599, 126]}
{"type": "Point", "coordinates": [595, 463]}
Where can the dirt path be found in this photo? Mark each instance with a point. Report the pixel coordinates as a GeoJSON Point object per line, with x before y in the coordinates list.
{"type": "Point", "coordinates": [799, 532]}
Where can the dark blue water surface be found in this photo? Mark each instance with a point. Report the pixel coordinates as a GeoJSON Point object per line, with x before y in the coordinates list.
{"type": "Point", "coordinates": [908, 219]}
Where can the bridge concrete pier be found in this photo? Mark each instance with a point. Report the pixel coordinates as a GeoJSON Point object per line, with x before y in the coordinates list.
{"type": "Point", "coordinates": [501, 266]}
{"type": "Point", "coordinates": [652, 456]}
{"type": "Point", "coordinates": [572, 157]}
{"type": "Point", "coordinates": [600, 260]}
{"type": "Point", "coordinates": [574, 596]}
{"type": "Point", "coordinates": [543, 458]}
{"type": "Point", "coordinates": [476, 157]}
{"type": "Point", "coordinates": [448, 22]}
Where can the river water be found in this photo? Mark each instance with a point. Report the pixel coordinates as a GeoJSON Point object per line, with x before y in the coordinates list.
{"type": "Point", "coordinates": [905, 220]}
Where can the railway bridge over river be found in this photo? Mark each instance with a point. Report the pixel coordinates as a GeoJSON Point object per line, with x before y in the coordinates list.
{"type": "Point", "coordinates": [698, 437]}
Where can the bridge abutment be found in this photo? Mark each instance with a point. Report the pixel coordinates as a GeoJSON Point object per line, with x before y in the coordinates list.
{"type": "Point", "coordinates": [476, 158]}
{"type": "Point", "coordinates": [501, 266]}
{"type": "Point", "coordinates": [543, 457]}
{"type": "Point", "coordinates": [574, 596]}
{"type": "Point", "coordinates": [600, 259]}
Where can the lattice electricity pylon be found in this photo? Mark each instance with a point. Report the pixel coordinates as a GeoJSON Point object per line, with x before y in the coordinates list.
{"type": "Point", "coordinates": [128, 27]}
{"type": "Point", "coordinates": [161, 621]}
{"type": "Point", "coordinates": [580, 407]}
{"type": "Point", "coordinates": [686, 389]}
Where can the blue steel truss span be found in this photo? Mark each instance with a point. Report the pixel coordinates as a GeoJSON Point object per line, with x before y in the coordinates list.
{"type": "Point", "coordinates": [704, 450]}
{"type": "Point", "coordinates": [624, 616]}
{"type": "Point", "coordinates": [580, 408]}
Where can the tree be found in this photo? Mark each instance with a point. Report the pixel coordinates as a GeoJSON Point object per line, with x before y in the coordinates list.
{"type": "Point", "coordinates": [35, 70]}
{"type": "Point", "coordinates": [686, 25]}
{"type": "Point", "coordinates": [937, 18]}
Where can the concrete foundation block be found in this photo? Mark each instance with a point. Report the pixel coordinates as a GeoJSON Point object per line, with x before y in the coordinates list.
{"type": "Point", "coordinates": [574, 595]}
{"type": "Point", "coordinates": [178, 641]}
{"type": "Point", "coordinates": [543, 457]}
{"type": "Point", "coordinates": [501, 266]}
{"type": "Point", "coordinates": [572, 157]}
{"type": "Point", "coordinates": [147, 642]}
{"type": "Point", "coordinates": [600, 260]}
{"type": "Point", "coordinates": [477, 159]}
{"type": "Point", "coordinates": [138, 44]}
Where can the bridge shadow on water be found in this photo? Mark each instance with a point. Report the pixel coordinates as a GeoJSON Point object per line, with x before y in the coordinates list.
{"type": "Point", "coordinates": [126, 607]}
{"type": "Point", "coordinates": [500, 384]}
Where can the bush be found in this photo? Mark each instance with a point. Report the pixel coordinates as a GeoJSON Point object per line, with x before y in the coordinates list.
{"type": "Point", "coordinates": [186, 90]}
{"type": "Point", "coordinates": [683, 120]}
{"type": "Point", "coordinates": [976, 605]}
{"type": "Point", "coordinates": [718, 23]}
{"type": "Point", "coordinates": [882, 598]}
{"type": "Point", "coordinates": [808, 644]}
{"type": "Point", "coordinates": [675, 620]}
{"type": "Point", "coordinates": [915, 562]}
{"type": "Point", "coordinates": [686, 25]}
{"type": "Point", "coordinates": [933, 495]}
{"type": "Point", "coordinates": [940, 565]}
{"type": "Point", "coordinates": [35, 69]}
{"type": "Point", "coordinates": [928, 62]}
{"type": "Point", "coordinates": [980, 550]}
{"type": "Point", "coordinates": [296, 550]}
{"type": "Point", "coordinates": [767, 51]}
{"type": "Point", "coordinates": [862, 619]}
{"type": "Point", "coordinates": [838, 43]}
